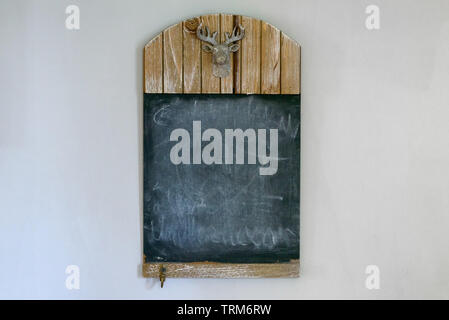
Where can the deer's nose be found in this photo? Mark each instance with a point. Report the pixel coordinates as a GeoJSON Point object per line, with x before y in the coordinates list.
{"type": "Point", "coordinates": [221, 59]}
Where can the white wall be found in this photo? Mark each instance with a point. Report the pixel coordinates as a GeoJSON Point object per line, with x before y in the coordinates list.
{"type": "Point", "coordinates": [375, 148]}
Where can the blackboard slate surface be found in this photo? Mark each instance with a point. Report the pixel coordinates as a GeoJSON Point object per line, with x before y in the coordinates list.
{"type": "Point", "coordinates": [220, 212]}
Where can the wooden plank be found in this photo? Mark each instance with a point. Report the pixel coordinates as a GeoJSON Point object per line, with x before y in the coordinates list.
{"type": "Point", "coordinates": [237, 74]}
{"type": "Point", "coordinates": [270, 60]}
{"type": "Point", "coordinates": [227, 24]}
{"type": "Point", "coordinates": [250, 66]}
{"type": "Point", "coordinates": [290, 66]}
{"type": "Point", "coordinates": [153, 65]}
{"type": "Point", "coordinates": [191, 57]}
{"type": "Point", "coordinates": [209, 83]}
{"type": "Point", "coordinates": [223, 270]}
{"type": "Point", "coordinates": [173, 59]}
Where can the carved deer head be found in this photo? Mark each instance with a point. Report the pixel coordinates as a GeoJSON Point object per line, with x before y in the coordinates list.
{"type": "Point", "coordinates": [220, 51]}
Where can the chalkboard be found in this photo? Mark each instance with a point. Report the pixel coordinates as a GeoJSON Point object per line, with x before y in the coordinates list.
{"type": "Point", "coordinates": [209, 196]}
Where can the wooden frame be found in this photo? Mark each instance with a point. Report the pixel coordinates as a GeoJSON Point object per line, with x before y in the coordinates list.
{"type": "Point", "coordinates": [268, 62]}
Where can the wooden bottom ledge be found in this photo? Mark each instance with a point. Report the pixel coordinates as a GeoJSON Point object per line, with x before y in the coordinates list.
{"type": "Point", "coordinates": [223, 270]}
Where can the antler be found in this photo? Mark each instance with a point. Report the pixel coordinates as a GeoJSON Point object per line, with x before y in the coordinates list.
{"type": "Point", "coordinates": [205, 36]}
{"type": "Point", "coordinates": [236, 34]}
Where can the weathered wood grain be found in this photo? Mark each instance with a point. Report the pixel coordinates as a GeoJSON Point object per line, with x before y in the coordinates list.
{"type": "Point", "coordinates": [153, 70]}
{"type": "Point", "coordinates": [270, 60]}
{"type": "Point", "coordinates": [227, 24]}
{"type": "Point", "coordinates": [237, 62]}
{"type": "Point", "coordinates": [250, 46]}
{"type": "Point", "coordinates": [191, 57]}
{"type": "Point", "coordinates": [290, 65]}
{"type": "Point", "coordinates": [173, 59]}
{"type": "Point", "coordinates": [209, 83]}
{"type": "Point", "coordinates": [223, 270]}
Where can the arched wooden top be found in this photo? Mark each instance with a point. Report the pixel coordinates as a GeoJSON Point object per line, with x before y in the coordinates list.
{"type": "Point", "coordinates": [268, 61]}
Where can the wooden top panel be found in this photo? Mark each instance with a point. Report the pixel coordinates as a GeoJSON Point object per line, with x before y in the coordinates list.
{"type": "Point", "coordinates": [268, 61]}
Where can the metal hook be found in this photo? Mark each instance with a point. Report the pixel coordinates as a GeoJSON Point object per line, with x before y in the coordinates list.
{"type": "Point", "coordinates": [162, 275]}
